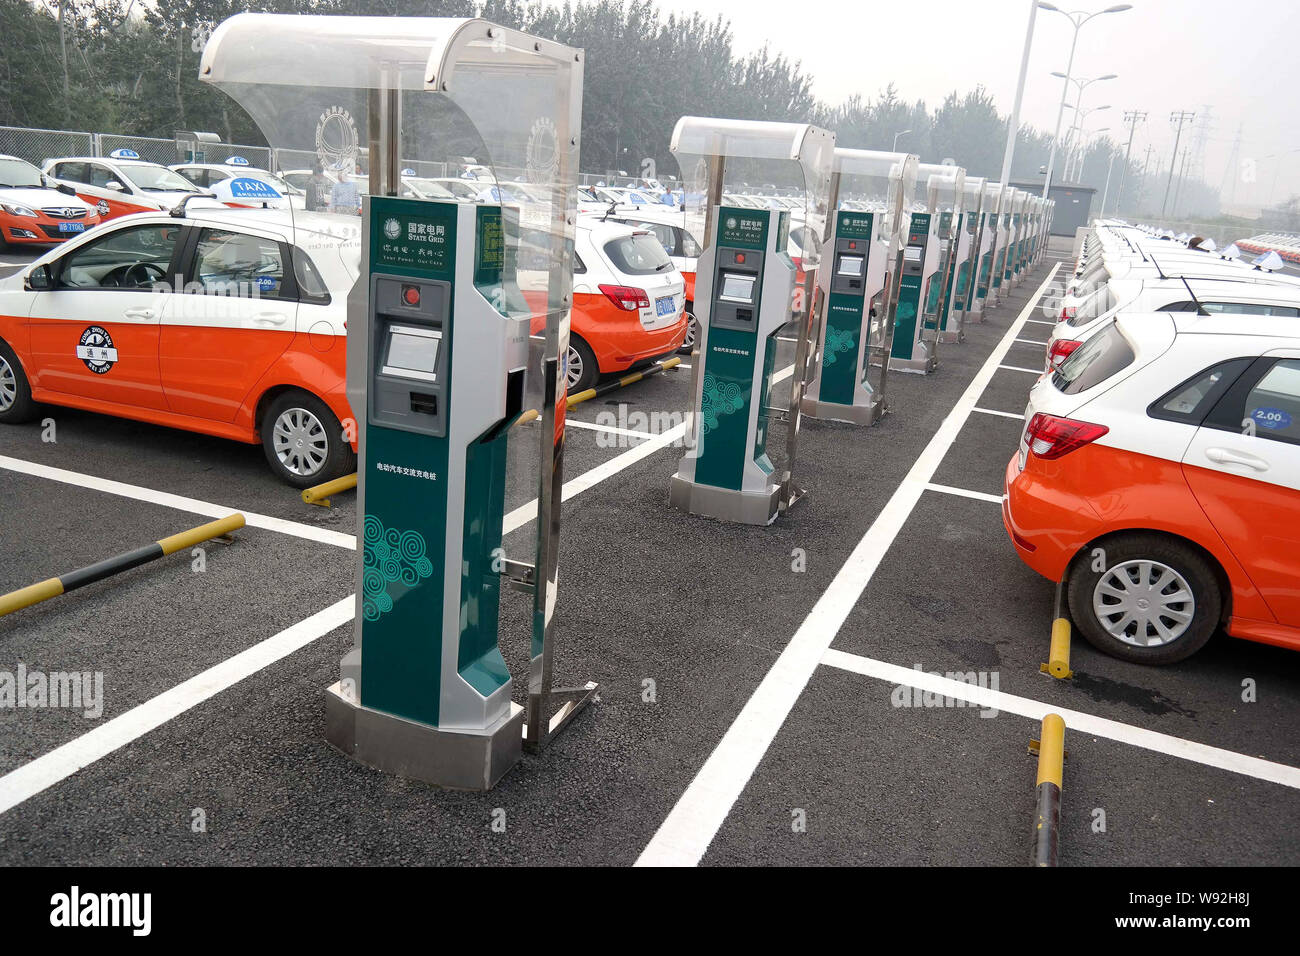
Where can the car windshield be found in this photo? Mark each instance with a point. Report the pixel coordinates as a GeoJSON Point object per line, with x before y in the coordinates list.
{"type": "Point", "coordinates": [15, 172]}
{"type": "Point", "coordinates": [158, 179]}
{"type": "Point", "coordinates": [428, 189]}
{"type": "Point", "coordinates": [638, 255]}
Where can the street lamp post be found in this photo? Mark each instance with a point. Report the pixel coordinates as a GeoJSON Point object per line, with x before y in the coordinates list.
{"type": "Point", "coordinates": [894, 149]}
{"type": "Point", "coordinates": [1081, 85]}
{"type": "Point", "coordinates": [1074, 143]}
{"type": "Point", "coordinates": [1077, 19]}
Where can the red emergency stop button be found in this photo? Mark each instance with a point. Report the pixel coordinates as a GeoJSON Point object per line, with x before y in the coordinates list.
{"type": "Point", "coordinates": [740, 257]}
{"type": "Point", "coordinates": [411, 294]}
{"type": "Point", "coordinates": [853, 245]}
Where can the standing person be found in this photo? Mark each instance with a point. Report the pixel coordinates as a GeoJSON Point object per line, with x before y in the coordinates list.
{"type": "Point", "coordinates": [318, 190]}
{"type": "Point", "coordinates": [345, 198]}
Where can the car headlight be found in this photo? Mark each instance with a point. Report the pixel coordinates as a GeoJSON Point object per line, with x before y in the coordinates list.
{"type": "Point", "coordinates": [16, 210]}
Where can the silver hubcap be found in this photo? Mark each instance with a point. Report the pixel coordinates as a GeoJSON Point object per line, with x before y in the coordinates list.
{"type": "Point", "coordinates": [8, 386]}
{"type": "Point", "coordinates": [1143, 603]}
{"type": "Point", "coordinates": [300, 441]}
{"type": "Point", "coordinates": [575, 367]}
{"type": "Point", "coordinates": [692, 331]}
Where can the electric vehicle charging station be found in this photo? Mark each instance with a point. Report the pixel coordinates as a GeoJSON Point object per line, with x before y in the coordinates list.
{"type": "Point", "coordinates": [981, 252]}
{"type": "Point", "coordinates": [964, 245]}
{"type": "Point", "coordinates": [990, 274]}
{"type": "Point", "coordinates": [1015, 241]}
{"type": "Point", "coordinates": [745, 294]}
{"type": "Point", "coordinates": [1000, 287]}
{"type": "Point", "coordinates": [858, 286]}
{"type": "Point", "coordinates": [916, 334]}
{"type": "Point", "coordinates": [1031, 230]}
{"type": "Point", "coordinates": [448, 340]}
{"type": "Point", "coordinates": [948, 184]}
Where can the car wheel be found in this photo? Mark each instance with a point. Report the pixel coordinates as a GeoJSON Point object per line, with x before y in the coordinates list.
{"type": "Point", "coordinates": [582, 368]}
{"type": "Point", "coordinates": [304, 442]}
{"type": "Point", "coordinates": [16, 405]}
{"type": "Point", "coordinates": [1155, 601]}
{"type": "Point", "coordinates": [692, 340]}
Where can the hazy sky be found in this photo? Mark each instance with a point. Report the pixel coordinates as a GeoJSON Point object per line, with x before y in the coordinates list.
{"type": "Point", "coordinates": [1241, 58]}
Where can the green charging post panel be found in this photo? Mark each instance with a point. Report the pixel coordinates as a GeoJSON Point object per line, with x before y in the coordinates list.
{"type": "Point", "coordinates": [434, 461]}
{"type": "Point", "coordinates": [744, 288]}
{"type": "Point", "coordinates": [907, 314]}
{"type": "Point", "coordinates": [725, 442]}
{"type": "Point", "coordinates": [843, 354]}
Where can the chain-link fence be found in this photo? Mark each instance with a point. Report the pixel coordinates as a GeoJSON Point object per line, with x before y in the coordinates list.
{"type": "Point", "coordinates": [38, 145]}
{"type": "Point", "coordinates": [146, 147]}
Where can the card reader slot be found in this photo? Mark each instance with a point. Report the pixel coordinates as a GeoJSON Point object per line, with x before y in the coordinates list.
{"type": "Point", "coordinates": [424, 403]}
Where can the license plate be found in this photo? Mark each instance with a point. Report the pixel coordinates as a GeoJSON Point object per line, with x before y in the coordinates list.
{"type": "Point", "coordinates": [72, 227]}
{"type": "Point", "coordinates": [666, 305]}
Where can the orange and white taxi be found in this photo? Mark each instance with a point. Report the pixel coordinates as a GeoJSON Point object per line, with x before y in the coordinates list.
{"type": "Point", "coordinates": [122, 183]}
{"type": "Point", "coordinates": [227, 322]}
{"type": "Point", "coordinates": [1158, 477]}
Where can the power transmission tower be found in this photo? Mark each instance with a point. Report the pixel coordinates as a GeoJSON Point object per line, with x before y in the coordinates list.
{"type": "Point", "coordinates": [1231, 169]}
{"type": "Point", "coordinates": [1200, 138]}
{"type": "Point", "coordinates": [1132, 118]}
{"type": "Point", "coordinates": [1182, 177]}
{"type": "Point", "coordinates": [1180, 117]}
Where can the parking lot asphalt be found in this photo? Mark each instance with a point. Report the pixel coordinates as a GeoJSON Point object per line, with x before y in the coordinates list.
{"type": "Point", "coordinates": [689, 625]}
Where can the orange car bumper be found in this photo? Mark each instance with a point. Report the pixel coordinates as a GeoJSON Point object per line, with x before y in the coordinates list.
{"type": "Point", "coordinates": [1046, 526]}
{"type": "Point", "coordinates": [618, 338]}
{"type": "Point", "coordinates": [40, 229]}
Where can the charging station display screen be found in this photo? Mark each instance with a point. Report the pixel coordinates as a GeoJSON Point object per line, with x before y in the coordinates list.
{"type": "Point", "coordinates": [412, 352]}
{"type": "Point", "coordinates": [912, 254]}
{"type": "Point", "coordinates": [737, 288]}
{"type": "Point", "coordinates": [850, 266]}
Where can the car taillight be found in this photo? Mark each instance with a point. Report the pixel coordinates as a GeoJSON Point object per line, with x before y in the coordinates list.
{"type": "Point", "coordinates": [1067, 312]}
{"type": "Point", "coordinates": [1050, 437]}
{"type": "Point", "coordinates": [1060, 350]}
{"type": "Point", "coordinates": [626, 297]}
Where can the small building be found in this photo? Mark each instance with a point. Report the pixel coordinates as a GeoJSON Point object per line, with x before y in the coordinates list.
{"type": "Point", "coordinates": [1073, 204]}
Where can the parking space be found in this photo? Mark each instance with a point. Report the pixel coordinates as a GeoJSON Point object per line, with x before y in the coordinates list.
{"type": "Point", "coordinates": [748, 674]}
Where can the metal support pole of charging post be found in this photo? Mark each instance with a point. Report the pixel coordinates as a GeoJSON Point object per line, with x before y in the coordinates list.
{"type": "Point", "coordinates": [549, 707]}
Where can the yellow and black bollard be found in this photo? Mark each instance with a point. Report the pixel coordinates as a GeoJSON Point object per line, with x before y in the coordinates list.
{"type": "Point", "coordinates": [1047, 811]}
{"type": "Point", "coordinates": [53, 587]}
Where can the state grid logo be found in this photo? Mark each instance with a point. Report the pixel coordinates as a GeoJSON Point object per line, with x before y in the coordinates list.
{"type": "Point", "coordinates": [392, 228]}
{"type": "Point", "coordinates": [392, 557]}
{"type": "Point", "coordinates": [718, 401]}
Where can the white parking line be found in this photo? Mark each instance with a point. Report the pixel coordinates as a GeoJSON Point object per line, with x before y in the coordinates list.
{"type": "Point", "coordinates": [991, 411]}
{"type": "Point", "coordinates": [964, 493]}
{"type": "Point", "coordinates": [1075, 720]}
{"type": "Point", "coordinates": [1040, 321]}
{"type": "Point", "coordinates": [608, 429]}
{"type": "Point", "coordinates": [690, 827]}
{"type": "Point", "coordinates": [1017, 368]}
{"type": "Point", "coordinates": [1031, 342]}
{"type": "Point", "coordinates": [62, 762]}
{"type": "Point", "coordinates": [179, 502]}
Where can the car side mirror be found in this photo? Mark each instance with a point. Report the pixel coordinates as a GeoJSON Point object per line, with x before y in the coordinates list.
{"type": "Point", "coordinates": [39, 279]}
{"type": "Point", "coordinates": [66, 189]}
{"type": "Point", "coordinates": [114, 185]}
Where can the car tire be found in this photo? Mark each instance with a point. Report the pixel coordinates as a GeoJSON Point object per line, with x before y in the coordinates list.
{"type": "Point", "coordinates": [1188, 599]}
{"type": "Point", "coordinates": [581, 366]}
{"type": "Point", "coordinates": [303, 441]}
{"type": "Point", "coordinates": [16, 405]}
{"type": "Point", "coordinates": [692, 340]}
